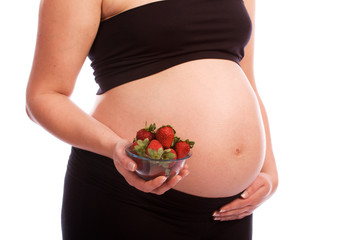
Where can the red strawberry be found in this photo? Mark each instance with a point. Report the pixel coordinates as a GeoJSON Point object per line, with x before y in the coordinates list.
{"type": "Point", "coordinates": [132, 147]}
{"type": "Point", "coordinates": [155, 150]}
{"type": "Point", "coordinates": [147, 132]}
{"type": "Point", "coordinates": [139, 147]}
{"type": "Point", "coordinates": [165, 135]}
{"type": "Point", "coordinates": [182, 148]}
{"type": "Point", "coordinates": [173, 152]}
{"type": "Point", "coordinates": [169, 154]}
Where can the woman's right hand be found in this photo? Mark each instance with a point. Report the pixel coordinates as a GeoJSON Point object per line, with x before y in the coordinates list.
{"type": "Point", "coordinates": [126, 167]}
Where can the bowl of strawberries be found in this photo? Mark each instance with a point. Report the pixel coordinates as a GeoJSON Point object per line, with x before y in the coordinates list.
{"type": "Point", "coordinates": [158, 152]}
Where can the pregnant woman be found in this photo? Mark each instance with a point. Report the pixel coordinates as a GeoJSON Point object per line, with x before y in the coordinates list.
{"type": "Point", "coordinates": [188, 63]}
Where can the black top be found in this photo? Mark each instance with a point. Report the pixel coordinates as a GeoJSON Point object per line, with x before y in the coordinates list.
{"type": "Point", "coordinates": [153, 37]}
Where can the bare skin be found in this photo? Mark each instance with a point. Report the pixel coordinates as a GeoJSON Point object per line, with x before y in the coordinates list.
{"type": "Point", "coordinates": [219, 109]}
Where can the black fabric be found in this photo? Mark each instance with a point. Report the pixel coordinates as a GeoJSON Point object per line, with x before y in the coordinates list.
{"type": "Point", "coordinates": [153, 37]}
{"type": "Point", "coordinates": [99, 204]}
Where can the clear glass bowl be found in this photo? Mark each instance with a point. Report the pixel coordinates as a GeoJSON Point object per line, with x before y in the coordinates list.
{"type": "Point", "coordinates": [151, 168]}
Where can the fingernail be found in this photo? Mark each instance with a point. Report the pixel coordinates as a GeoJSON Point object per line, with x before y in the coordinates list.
{"type": "Point", "coordinates": [216, 214]}
{"type": "Point", "coordinates": [244, 194]}
{"type": "Point", "coordinates": [131, 166]}
{"type": "Point", "coordinates": [178, 180]}
{"type": "Point", "coordinates": [217, 219]}
{"type": "Point", "coordinates": [163, 179]}
{"type": "Point", "coordinates": [222, 210]}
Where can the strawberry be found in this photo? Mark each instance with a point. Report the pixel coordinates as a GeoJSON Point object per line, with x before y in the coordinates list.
{"type": "Point", "coordinates": [176, 139]}
{"type": "Point", "coordinates": [132, 147]}
{"type": "Point", "coordinates": [182, 148]}
{"type": "Point", "coordinates": [169, 154]}
{"type": "Point", "coordinates": [173, 152]}
{"type": "Point", "coordinates": [165, 135]}
{"type": "Point", "coordinates": [155, 150]}
{"type": "Point", "coordinates": [147, 132]}
{"type": "Point", "coordinates": [139, 147]}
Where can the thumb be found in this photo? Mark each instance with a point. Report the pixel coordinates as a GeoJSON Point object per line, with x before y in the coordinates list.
{"type": "Point", "coordinates": [131, 165]}
{"type": "Point", "coordinates": [121, 157]}
{"type": "Point", "coordinates": [244, 194]}
{"type": "Point", "coordinates": [254, 186]}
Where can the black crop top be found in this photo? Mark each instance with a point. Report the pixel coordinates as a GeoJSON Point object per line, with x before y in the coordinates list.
{"type": "Point", "coordinates": [153, 37]}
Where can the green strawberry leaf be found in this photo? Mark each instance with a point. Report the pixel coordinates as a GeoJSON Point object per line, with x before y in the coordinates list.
{"type": "Point", "coordinates": [153, 154]}
{"type": "Point", "coordinates": [167, 155]}
{"type": "Point", "coordinates": [140, 149]}
{"type": "Point", "coordinates": [175, 140]}
{"type": "Point", "coordinates": [151, 128]}
{"type": "Point", "coordinates": [191, 143]}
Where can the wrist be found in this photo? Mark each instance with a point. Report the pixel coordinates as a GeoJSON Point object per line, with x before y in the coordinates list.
{"type": "Point", "coordinates": [109, 144]}
{"type": "Point", "coordinates": [269, 168]}
{"type": "Point", "coordinates": [273, 181]}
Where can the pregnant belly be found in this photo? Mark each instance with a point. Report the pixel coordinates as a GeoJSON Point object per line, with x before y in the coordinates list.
{"type": "Point", "coordinates": [208, 101]}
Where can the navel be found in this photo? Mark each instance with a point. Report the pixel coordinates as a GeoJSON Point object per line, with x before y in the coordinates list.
{"type": "Point", "coordinates": [237, 151]}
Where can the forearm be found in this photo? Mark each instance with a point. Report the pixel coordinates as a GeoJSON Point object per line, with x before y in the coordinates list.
{"type": "Point", "coordinates": [269, 165]}
{"type": "Point", "coordinates": [61, 117]}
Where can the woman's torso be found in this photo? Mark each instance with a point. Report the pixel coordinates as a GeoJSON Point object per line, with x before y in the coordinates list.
{"type": "Point", "coordinates": [209, 101]}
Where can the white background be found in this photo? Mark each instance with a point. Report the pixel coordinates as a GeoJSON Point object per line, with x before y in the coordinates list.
{"type": "Point", "coordinates": [307, 72]}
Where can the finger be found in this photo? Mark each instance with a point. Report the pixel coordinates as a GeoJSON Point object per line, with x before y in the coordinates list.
{"type": "Point", "coordinates": [128, 164]}
{"type": "Point", "coordinates": [150, 186]}
{"type": "Point", "coordinates": [125, 171]}
{"type": "Point", "coordinates": [251, 204]}
{"type": "Point", "coordinates": [235, 204]}
{"type": "Point", "coordinates": [262, 181]}
{"type": "Point", "coordinates": [141, 184]}
{"type": "Point", "coordinates": [254, 186]}
{"type": "Point", "coordinates": [233, 217]}
{"type": "Point", "coordinates": [171, 182]}
{"type": "Point", "coordinates": [234, 212]}
{"type": "Point", "coordinates": [253, 201]}
{"type": "Point", "coordinates": [167, 185]}
{"type": "Point", "coordinates": [184, 172]}
{"type": "Point", "coordinates": [158, 185]}
{"type": "Point", "coordinates": [145, 186]}
{"type": "Point", "coordinates": [122, 159]}
{"type": "Point", "coordinates": [185, 166]}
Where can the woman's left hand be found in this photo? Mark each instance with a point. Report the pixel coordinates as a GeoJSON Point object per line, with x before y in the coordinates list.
{"type": "Point", "coordinates": [257, 193]}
